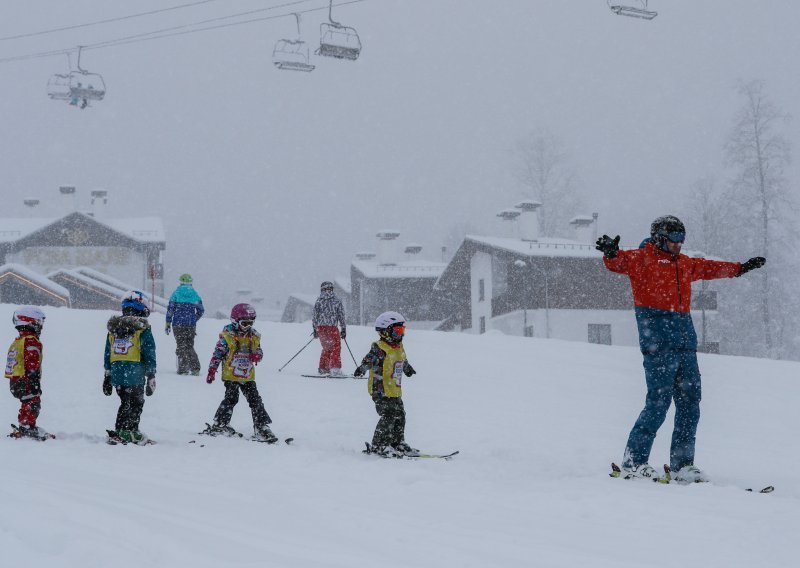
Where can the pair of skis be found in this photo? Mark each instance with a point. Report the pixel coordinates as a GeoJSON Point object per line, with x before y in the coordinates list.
{"type": "Point", "coordinates": [231, 433]}
{"type": "Point", "coordinates": [616, 471]}
{"type": "Point", "coordinates": [115, 440]}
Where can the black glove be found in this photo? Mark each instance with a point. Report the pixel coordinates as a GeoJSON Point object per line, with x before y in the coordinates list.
{"type": "Point", "coordinates": [343, 333]}
{"type": "Point", "coordinates": [359, 372]}
{"type": "Point", "coordinates": [314, 332]}
{"type": "Point", "coordinates": [752, 264]}
{"type": "Point", "coordinates": [408, 370]}
{"type": "Point", "coordinates": [150, 385]}
{"type": "Point", "coordinates": [608, 246]}
{"type": "Point", "coordinates": [107, 388]}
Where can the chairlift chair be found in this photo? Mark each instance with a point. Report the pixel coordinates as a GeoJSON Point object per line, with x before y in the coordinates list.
{"type": "Point", "coordinates": [633, 11]}
{"type": "Point", "coordinates": [336, 40]}
{"type": "Point", "coordinates": [292, 54]}
{"type": "Point", "coordinates": [78, 86]}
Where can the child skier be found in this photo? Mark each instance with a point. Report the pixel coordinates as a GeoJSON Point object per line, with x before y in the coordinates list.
{"type": "Point", "coordinates": [24, 371]}
{"type": "Point", "coordinates": [239, 351]}
{"type": "Point", "coordinates": [386, 363]}
{"type": "Point", "coordinates": [130, 366]}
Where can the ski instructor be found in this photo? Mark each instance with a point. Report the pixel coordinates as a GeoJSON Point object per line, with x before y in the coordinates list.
{"type": "Point", "coordinates": [184, 309]}
{"type": "Point", "coordinates": [661, 280]}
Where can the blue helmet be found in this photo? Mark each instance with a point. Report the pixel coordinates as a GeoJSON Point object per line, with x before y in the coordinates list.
{"type": "Point", "coordinates": [133, 304]}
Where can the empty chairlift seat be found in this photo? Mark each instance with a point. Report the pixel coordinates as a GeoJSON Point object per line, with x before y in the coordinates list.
{"type": "Point", "coordinates": [339, 41]}
{"type": "Point", "coordinates": [291, 55]}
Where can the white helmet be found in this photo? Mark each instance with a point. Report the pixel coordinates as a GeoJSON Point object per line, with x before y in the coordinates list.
{"type": "Point", "coordinates": [388, 319]}
{"type": "Point", "coordinates": [30, 317]}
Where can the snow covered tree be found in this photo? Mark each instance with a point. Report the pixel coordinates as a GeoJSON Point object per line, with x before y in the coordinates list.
{"type": "Point", "coordinates": [544, 168]}
{"type": "Point", "coordinates": [758, 153]}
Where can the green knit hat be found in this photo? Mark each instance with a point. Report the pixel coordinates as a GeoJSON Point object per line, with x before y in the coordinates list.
{"type": "Point", "coordinates": [186, 278]}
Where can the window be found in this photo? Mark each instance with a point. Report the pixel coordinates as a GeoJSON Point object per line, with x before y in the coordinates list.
{"type": "Point", "coordinates": [600, 333]}
{"type": "Point", "coordinates": [483, 324]}
{"type": "Point", "coordinates": [528, 331]}
{"type": "Point", "coordinates": [481, 290]}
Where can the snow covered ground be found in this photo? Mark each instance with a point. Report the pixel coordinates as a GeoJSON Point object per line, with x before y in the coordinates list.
{"type": "Point", "coordinates": [537, 423]}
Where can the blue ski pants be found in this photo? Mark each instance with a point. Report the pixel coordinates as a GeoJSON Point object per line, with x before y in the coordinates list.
{"type": "Point", "coordinates": [670, 375]}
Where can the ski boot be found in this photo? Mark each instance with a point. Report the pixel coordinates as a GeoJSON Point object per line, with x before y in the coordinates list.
{"type": "Point", "coordinates": [642, 471]}
{"type": "Point", "coordinates": [382, 451]}
{"type": "Point", "coordinates": [220, 430]}
{"type": "Point", "coordinates": [690, 474]}
{"type": "Point", "coordinates": [264, 434]}
{"type": "Point", "coordinates": [406, 450]}
{"type": "Point", "coordinates": [33, 432]}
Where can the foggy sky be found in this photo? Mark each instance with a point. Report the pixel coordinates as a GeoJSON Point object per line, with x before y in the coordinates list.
{"type": "Point", "coordinates": [271, 180]}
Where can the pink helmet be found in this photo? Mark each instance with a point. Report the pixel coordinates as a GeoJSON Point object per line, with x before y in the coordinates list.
{"type": "Point", "coordinates": [243, 315]}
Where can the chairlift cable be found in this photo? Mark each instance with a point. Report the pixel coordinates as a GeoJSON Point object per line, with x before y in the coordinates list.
{"type": "Point", "coordinates": [107, 21]}
{"type": "Point", "coordinates": [151, 35]}
{"type": "Point", "coordinates": [184, 26]}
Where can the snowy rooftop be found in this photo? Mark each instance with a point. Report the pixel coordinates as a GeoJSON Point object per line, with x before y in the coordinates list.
{"type": "Point", "coordinates": [36, 278]}
{"type": "Point", "coordinates": [541, 247]}
{"type": "Point", "coordinates": [401, 269]}
{"type": "Point", "coordinates": [309, 299]}
{"type": "Point", "coordinates": [143, 229]}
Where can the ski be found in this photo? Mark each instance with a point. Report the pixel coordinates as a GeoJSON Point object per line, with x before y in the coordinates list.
{"type": "Point", "coordinates": [115, 440]}
{"type": "Point", "coordinates": [371, 452]}
{"type": "Point", "coordinates": [287, 441]}
{"type": "Point", "coordinates": [333, 377]}
{"type": "Point", "coordinates": [39, 435]}
{"type": "Point", "coordinates": [668, 474]}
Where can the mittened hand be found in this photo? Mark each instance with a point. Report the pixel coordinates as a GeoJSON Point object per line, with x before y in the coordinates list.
{"type": "Point", "coordinates": [409, 370]}
{"type": "Point", "coordinates": [107, 388]}
{"type": "Point", "coordinates": [150, 386]}
{"type": "Point", "coordinates": [343, 333]}
{"type": "Point", "coordinates": [608, 246]}
{"type": "Point", "coordinates": [359, 372]}
{"type": "Point", "coordinates": [752, 264]}
{"type": "Point", "coordinates": [167, 329]}
{"type": "Point", "coordinates": [212, 374]}
{"type": "Point", "coordinates": [314, 332]}
{"type": "Point", "coordinates": [255, 358]}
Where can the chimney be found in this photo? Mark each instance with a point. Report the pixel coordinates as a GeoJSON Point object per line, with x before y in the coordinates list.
{"type": "Point", "coordinates": [31, 204]}
{"type": "Point", "coordinates": [508, 225]}
{"type": "Point", "coordinates": [387, 243]}
{"type": "Point", "coordinates": [99, 199]}
{"type": "Point", "coordinates": [583, 228]}
{"type": "Point", "coordinates": [412, 250]}
{"type": "Point", "coordinates": [68, 191]}
{"type": "Point", "coordinates": [529, 220]}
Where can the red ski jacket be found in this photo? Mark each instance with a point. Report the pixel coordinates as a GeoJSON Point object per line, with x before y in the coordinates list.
{"type": "Point", "coordinates": [662, 281]}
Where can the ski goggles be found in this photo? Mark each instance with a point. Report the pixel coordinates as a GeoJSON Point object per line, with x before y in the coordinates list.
{"type": "Point", "coordinates": [674, 236]}
{"type": "Point", "coordinates": [398, 329]}
{"type": "Point", "coordinates": [246, 323]}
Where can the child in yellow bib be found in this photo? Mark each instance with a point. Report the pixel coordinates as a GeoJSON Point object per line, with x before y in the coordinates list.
{"type": "Point", "coordinates": [239, 351]}
{"type": "Point", "coordinates": [387, 363]}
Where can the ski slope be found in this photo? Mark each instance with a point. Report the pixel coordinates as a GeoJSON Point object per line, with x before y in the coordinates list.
{"type": "Point", "coordinates": [537, 423]}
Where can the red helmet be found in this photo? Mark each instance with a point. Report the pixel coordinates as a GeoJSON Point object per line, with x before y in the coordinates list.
{"type": "Point", "coordinates": [243, 316]}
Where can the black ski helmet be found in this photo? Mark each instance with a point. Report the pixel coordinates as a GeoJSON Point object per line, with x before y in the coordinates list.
{"type": "Point", "coordinates": [667, 227]}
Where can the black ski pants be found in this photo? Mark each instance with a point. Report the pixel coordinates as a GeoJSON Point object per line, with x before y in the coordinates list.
{"type": "Point", "coordinates": [131, 404]}
{"type": "Point", "coordinates": [250, 391]}
{"type": "Point", "coordinates": [187, 356]}
{"type": "Point", "coordinates": [391, 427]}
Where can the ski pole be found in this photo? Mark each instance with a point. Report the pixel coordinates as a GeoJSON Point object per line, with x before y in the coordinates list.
{"type": "Point", "coordinates": [351, 353]}
{"type": "Point", "coordinates": [298, 353]}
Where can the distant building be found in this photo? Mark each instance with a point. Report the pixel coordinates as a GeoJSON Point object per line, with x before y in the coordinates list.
{"type": "Point", "coordinates": [129, 252]}
{"type": "Point", "coordinates": [395, 279]}
{"type": "Point", "coordinates": [299, 308]}
{"type": "Point", "coordinates": [542, 287]}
